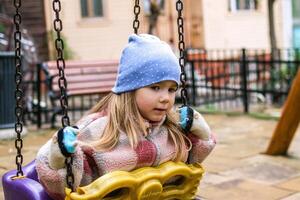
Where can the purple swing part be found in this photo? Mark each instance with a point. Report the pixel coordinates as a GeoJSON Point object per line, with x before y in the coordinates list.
{"type": "Point", "coordinates": [27, 188]}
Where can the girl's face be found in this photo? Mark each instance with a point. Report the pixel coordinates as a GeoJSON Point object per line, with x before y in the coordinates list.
{"type": "Point", "coordinates": [155, 100]}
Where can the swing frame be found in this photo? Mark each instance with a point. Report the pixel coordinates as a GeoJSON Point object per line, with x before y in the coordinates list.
{"type": "Point", "coordinates": [23, 183]}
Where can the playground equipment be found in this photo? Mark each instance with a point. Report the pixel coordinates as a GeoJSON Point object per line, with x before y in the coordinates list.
{"type": "Point", "coordinates": [167, 181]}
{"type": "Point", "coordinates": [288, 123]}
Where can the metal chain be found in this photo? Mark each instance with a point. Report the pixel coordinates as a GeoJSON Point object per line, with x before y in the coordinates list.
{"type": "Point", "coordinates": [18, 92]}
{"type": "Point", "coordinates": [62, 83]}
{"type": "Point", "coordinates": [181, 47]}
{"type": "Point", "coordinates": [136, 22]}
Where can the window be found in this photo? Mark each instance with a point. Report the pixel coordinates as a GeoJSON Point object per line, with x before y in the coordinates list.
{"type": "Point", "coordinates": [91, 8]}
{"type": "Point", "coordinates": [296, 36]}
{"type": "Point", "coordinates": [237, 5]}
{"type": "Point", "coordinates": [150, 5]}
{"type": "Point", "coordinates": [296, 8]}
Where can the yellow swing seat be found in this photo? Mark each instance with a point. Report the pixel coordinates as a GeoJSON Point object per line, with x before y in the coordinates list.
{"type": "Point", "coordinates": [168, 181]}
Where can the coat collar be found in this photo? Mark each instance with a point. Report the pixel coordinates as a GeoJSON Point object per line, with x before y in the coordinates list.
{"type": "Point", "coordinates": [153, 127]}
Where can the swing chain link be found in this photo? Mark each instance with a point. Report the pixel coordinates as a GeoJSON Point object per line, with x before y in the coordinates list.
{"type": "Point", "coordinates": [62, 83]}
{"type": "Point", "coordinates": [60, 62]}
{"type": "Point", "coordinates": [18, 91]}
{"type": "Point", "coordinates": [70, 175]}
{"type": "Point", "coordinates": [181, 47]}
{"type": "Point", "coordinates": [136, 22]}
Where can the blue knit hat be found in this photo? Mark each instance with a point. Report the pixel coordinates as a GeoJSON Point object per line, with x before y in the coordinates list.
{"type": "Point", "coordinates": [144, 61]}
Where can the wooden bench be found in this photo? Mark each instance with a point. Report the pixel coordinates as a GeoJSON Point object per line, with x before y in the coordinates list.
{"type": "Point", "coordinates": [83, 78]}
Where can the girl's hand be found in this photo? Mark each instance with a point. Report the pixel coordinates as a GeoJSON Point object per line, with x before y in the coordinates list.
{"type": "Point", "coordinates": [186, 118]}
{"type": "Point", "coordinates": [192, 121]}
{"type": "Point", "coordinates": [67, 138]}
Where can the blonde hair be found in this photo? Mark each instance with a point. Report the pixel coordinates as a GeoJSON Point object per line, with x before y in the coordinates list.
{"type": "Point", "coordinates": [123, 115]}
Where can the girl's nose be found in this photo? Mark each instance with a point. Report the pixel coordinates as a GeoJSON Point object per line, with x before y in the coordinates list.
{"type": "Point", "coordinates": [164, 98]}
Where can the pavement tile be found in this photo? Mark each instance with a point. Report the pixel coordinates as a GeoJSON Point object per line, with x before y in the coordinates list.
{"type": "Point", "coordinates": [292, 197]}
{"type": "Point", "coordinates": [210, 179]}
{"type": "Point", "coordinates": [292, 184]}
{"type": "Point", "coordinates": [2, 172]}
{"type": "Point", "coordinates": [238, 189]}
{"type": "Point", "coordinates": [1, 194]}
{"type": "Point", "coordinates": [291, 161]}
{"type": "Point", "coordinates": [8, 162]}
{"type": "Point", "coordinates": [1, 188]}
{"type": "Point", "coordinates": [7, 134]}
{"type": "Point", "coordinates": [241, 149]}
{"type": "Point", "coordinates": [266, 172]}
{"type": "Point", "coordinates": [240, 126]}
{"type": "Point", "coordinates": [7, 148]}
{"type": "Point", "coordinates": [294, 149]}
{"type": "Point", "coordinates": [235, 170]}
{"type": "Point", "coordinates": [217, 164]}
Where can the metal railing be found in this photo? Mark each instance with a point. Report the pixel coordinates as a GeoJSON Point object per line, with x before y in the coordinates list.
{"type": "Point", "coordinates": [225, 80]}
{"type": "Point", "coordinates": [7, 90]}
{"type": "Point", "coordinates": [231, 79]}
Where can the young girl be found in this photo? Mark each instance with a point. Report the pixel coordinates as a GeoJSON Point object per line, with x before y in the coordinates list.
{"type": "Point", "coordinates": [132, 127]}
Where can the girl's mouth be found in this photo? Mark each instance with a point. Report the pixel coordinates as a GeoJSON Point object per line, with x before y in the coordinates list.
{"type": "Point", "coordinates": [159, 109]}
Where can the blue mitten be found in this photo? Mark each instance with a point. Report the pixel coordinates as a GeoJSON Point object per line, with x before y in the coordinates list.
{"type": "Point", "coordinates": [192, 121]}
{"type": "Point", "coordinates": [186, 118]}
{"type": "Point", "coordinates": [66, 138]}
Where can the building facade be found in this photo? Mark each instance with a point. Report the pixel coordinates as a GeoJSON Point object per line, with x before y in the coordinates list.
{"type": "Point", "coordinates": [231, 24]}
{"type": "Point", "coordinates": [296, 23]}
{"type": "Point", "coordinates": [93, 29]}
{"type": "Point", "coordinates": [98, 29]}
{"type": "Point", "coordinates": [222, 24]}
{"type": "Point", "coordinates": [32, 22]}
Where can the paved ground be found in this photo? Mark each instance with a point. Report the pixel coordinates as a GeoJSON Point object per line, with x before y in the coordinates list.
{"type": "Point", "coordinates": [236, 170]}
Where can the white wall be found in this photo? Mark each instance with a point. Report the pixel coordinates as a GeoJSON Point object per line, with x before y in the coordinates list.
{"type": "Point", "coordinates": [223, 29]}
{"type": "Point", "coordinates": [284, 23]}
{"type": "Point", "coordinates": [102, 38]}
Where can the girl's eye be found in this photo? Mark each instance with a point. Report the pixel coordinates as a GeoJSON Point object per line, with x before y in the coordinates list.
{"type": "Point", "coordinates": [172, 90]}
{"type": "Point", "coordinates": [155, 87]}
